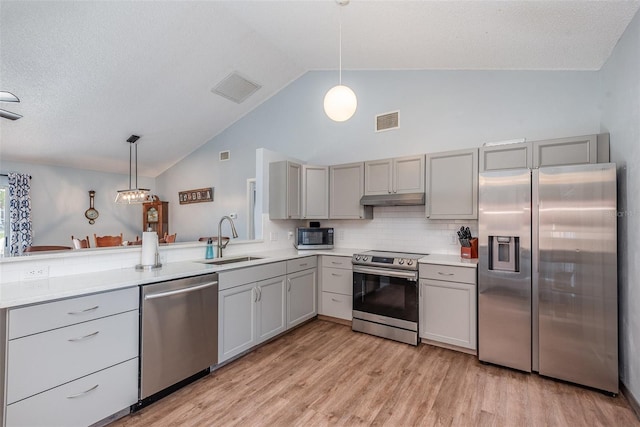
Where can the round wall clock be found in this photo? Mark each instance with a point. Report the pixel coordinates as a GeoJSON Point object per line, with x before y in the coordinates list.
{"type": "Point", "coordinates": [91, 213]}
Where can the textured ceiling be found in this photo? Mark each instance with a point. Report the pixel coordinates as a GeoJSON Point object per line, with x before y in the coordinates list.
{"type": "Point", "coordinates": [89, 74]}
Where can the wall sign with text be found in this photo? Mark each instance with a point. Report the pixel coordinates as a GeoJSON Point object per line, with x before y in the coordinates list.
{"type": "Point", "coordinates": [198, 195]}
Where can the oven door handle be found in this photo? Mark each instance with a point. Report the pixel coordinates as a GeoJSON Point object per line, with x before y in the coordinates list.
{"type": "Point", "coordinates": [409, 275]}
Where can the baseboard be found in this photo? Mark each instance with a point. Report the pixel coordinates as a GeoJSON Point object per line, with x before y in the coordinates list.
{"type": "Point", "coordinates": [449, 346]}
{"type": "Point", "coordinates": [633, 402]}
{"type": "Point", "coordinates": [334, 320]}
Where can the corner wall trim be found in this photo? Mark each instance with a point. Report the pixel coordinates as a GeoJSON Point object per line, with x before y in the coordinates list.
{"type": "Point", "coordinates": [633, 402]}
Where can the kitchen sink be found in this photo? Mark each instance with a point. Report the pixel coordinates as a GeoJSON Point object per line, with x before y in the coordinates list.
{"type": "Point", "coordinates": [222, 261]}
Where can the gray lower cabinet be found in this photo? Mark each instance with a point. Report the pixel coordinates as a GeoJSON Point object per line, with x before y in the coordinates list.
{"type": "Point", "coordinates": [448, 305]}
{"type": "Point", "coordinates": [336, 288]}
{"type": "Point", "coordinates": [73, 361]}
{"type": "Point", "coordinates": [553, 152]}
{"type": "Point", "coordinates": [346, 187]}
{"type": "Point", "coordinates": [302, 290]}
{"type": "Point", "coordinates": [452, 185]}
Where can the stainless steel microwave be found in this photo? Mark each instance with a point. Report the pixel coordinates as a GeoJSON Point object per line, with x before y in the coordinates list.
{"type": "Point", "coordinates": [314, 238]}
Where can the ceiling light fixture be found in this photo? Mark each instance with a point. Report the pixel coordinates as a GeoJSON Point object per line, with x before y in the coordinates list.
{"type": "Point", "coordinates": [340, 102]}
{"type": "Point", "coordinates": [133, 195]}
{"type": "Point", "coordinates": [8, 97]}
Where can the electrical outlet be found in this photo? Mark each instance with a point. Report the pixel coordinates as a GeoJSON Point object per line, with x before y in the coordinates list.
{"type": "Point", "coordinates": [290, 234]}
{"type": "Point", "coordinates": [453, 239]}
{"type": "Point", "coordinates": [36, 272]}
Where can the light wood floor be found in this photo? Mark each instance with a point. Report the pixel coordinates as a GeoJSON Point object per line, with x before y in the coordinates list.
{"type": "Point", "coordinates": [325, 374]}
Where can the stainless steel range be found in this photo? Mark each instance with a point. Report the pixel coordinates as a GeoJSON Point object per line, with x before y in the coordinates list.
{"type": "Point", "coordinates": [385, 295]}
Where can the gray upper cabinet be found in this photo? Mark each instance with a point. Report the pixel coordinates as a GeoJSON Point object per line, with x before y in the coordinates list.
{"type": "Point", "coordinates": [507, 156]}
{"type": "Point", "coordinates": [399, 175]}
{"type": "Point", "coordinates": [346, 187]}
{"type": "Point", "coordinates": [452, 185]}
{"type": "Point", "coordinates": [285, 180]}
{"type": "Point", "coordinates": [552, 152]}
{"type": "Point", "coordinates": [571, 151]}
{"type": "Point", "coordinates": [315, 192]}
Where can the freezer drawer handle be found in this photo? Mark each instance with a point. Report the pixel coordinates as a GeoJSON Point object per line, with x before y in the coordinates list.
{"type": "Point", "coordinates": [180, 291]}
{"type": "Point", "coordinates": [74, 313]}
{"type": "Point", "coordinates": [73, 396]}
{"type": "Point", "coordinates": [84, 337]}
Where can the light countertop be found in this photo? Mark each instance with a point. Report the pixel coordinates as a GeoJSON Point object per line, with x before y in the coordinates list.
{"type": "Point", "coordinates": [26, 292]}
{"type": "Point", "coordinates": [444, 259]}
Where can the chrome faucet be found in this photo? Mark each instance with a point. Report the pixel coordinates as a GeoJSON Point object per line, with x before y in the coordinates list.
{"type": "Point", "coordinates": [219, 245]}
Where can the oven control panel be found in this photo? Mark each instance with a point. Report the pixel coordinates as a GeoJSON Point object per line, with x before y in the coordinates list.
{"type": "Point", "coordinates": [409, 262]}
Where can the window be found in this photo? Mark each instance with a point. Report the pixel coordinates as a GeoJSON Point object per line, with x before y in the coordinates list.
{"type": "Point", "coordinates": [4, 215]}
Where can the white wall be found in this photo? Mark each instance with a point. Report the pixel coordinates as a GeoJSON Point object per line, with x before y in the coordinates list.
{"type": "Point", "coordinates": [621, 118]}
{"type": "Point", "coordinates": [60, 196]}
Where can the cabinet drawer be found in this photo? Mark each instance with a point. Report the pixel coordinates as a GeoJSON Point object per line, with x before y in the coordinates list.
{"type": "Point", "coordinates": [300, 264]}
{"type": "Point", "coordinates": [448, 273]}
{"type": "Point", "coordinates": [337, 305]}
{"type": "Point", "coordinates": [81, 402]}
{"type": "Point", "coordinates": [337, 262]}
{"type": "Point", "coordinates": [337, 280]}
{"type": "Point", "coordinates": [241, 276]}
{"type": "Point", "coordinates": [43, 361]}
{"type": "Point", "coordinates": [44, 317]}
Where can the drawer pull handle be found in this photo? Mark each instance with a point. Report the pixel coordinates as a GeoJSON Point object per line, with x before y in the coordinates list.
{"type": "Point", "coordinates": [336, 262]}
{"type": "Point", "coordinates": [288, 285]}
{"type": "Point", "coordinates": [73, 396]}
{"type": "Point", "coordinates": [303, 265]}
{"type": "Point", "coordinates": [75, 313]}
{"type": "Point", "coordinates": [335, 300]}
{"type": "Point", "coordinates": [336, 274]}
{"type": "Point", "coordinates": [84, 337]}
{"type": "Point", "coordinates": [445, 274]}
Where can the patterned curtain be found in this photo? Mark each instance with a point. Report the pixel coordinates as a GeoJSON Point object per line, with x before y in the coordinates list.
{"type": "Point", "coordinates": [19, 212]}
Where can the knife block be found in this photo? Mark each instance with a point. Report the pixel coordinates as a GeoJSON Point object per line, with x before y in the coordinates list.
{"type": "Point", "coordinates": [470, 251]}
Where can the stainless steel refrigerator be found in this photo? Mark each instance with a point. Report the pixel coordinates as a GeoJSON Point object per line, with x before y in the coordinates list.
{"type": "Point", "coordinates": [547, 272]}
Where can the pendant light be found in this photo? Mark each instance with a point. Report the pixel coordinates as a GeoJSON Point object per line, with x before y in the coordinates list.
{"type": "Point", "coordinates": [133, 195]}
{"type": "Point", "coordinates": [340, 102]}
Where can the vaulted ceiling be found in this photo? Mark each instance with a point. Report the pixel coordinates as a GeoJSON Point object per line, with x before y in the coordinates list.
{"type": "Point", "coordinates": [91, 73]}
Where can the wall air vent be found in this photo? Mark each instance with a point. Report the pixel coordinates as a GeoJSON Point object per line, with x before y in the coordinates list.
{"type": "Point", "coordinates": [224, 155]}
{"type": "Point", "coordinates": [387, 121]}
{"type": "Point", "coordinates": [236, 88]}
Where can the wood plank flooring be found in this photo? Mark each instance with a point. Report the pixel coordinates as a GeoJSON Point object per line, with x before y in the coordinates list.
{"type": "Point", "coordinates": [324, 374]}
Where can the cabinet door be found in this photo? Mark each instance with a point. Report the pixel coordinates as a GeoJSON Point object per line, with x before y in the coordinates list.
{"type": "Point", "coordinates": [408, 174]}
{"type": "Point", "coordinates": [378, 176]}
{"type": "Point", "coordinates": [507, 156]}
{"type": "Point", "coordinates": [565, 151]}
{"type": "Point", "coordinates": [448, 312]}
{"type": "Point", "coordinates": [346, 183]}
{"type": "Point", "coordinates": [237, 323]}
{"type": "Point", "coordinates": [452, 185]}
{"type": "Point", "coordinates": [271, 312]}
{"type": "Point", "coordinates": [302, 296]}
{"type": "Point", "coordinates": [315, 192]}
{"type": "Point", "coordinates": [294, 174]}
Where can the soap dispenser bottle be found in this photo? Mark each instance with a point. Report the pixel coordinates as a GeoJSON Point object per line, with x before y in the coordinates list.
{"type": "Point", "coordinates": [209, 252]}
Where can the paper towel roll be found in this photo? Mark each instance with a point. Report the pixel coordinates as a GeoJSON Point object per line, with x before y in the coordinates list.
{"type": "Point", "coordinates": [149, 248]}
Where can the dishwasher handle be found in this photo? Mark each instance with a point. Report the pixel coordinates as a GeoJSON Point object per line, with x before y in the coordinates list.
{"type": "Point", "coordinates": [180, 291]}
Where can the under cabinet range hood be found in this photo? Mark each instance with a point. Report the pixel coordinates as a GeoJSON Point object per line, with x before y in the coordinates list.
{"type": "Point", "coordinates": [406, 199]}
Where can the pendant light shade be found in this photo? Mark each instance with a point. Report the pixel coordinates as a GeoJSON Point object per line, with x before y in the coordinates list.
{"type": "Point", "coordinates": [340, 102]}
{"type": "Point", "coordinates": [133, 195]}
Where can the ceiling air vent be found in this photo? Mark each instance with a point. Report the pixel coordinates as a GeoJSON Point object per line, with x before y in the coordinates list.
{"type": "Point", "coordinates": [235, 88]}
{"type": "Point", "coordinates": [224, 155]}
{"type": "Point", "coordinates": [388, 121]}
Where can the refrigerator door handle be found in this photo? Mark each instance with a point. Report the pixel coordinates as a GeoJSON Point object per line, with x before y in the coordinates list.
{"type": "Point", "coordinates": [535, 270]}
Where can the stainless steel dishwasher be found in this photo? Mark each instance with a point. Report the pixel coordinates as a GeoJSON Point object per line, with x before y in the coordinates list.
{"type": "Point", "coordinates": [179, 331]}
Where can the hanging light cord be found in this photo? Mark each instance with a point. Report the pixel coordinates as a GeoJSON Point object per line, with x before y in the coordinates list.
{"type": "Point", "coordinates": [340, 42]}
{"type": "Point", "coordinates": [129, 166]}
